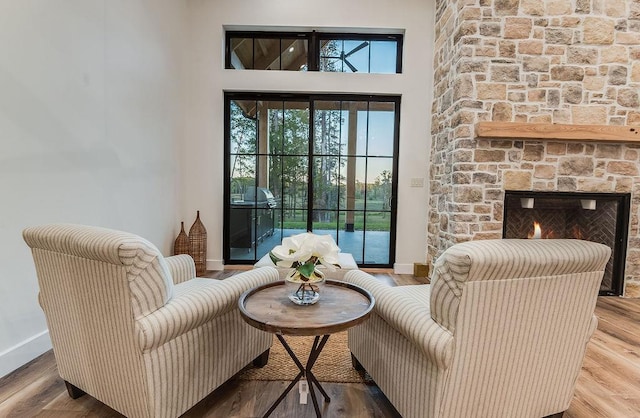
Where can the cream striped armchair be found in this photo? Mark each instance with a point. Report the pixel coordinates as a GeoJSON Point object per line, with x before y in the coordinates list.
{"type": "Point", "coordinates": [137, 331]}
{"type": "Point", "coordinates": [500, 332]}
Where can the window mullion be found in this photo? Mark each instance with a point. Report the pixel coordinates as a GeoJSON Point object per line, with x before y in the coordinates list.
{"type": "Point", "coordinates": [310, 177]}
{"type": "Point", "coordinates": [313, 57]}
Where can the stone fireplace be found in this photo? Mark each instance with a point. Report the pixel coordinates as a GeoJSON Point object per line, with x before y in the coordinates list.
{"type": "Point", "coordinates": [541, 63]}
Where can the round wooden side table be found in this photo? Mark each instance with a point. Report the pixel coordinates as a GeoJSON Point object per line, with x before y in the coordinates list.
{"type": "Point", "coordinates": [341, 306]}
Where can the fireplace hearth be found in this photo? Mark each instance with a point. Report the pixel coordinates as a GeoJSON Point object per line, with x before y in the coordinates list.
{"type": "Point", "coordinates": [598, 217]}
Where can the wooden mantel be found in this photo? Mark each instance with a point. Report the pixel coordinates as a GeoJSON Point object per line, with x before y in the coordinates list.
{"type": "Point", "coordinates": [515, 130]}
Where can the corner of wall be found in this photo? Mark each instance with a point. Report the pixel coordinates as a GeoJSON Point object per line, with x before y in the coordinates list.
{"type": "Point", "coordinates": [23, 352]}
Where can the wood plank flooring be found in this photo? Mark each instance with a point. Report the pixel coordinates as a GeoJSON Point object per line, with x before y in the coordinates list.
{"type": "Point", "coordinates": [608, 386]}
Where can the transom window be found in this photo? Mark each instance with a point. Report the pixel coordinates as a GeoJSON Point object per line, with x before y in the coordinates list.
{"type": "Point", "coordinates": [313, 51]}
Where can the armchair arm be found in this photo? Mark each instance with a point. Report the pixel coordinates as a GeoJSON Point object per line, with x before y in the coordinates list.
{"type": "Point", "coordinates": [182, 267]}
{"type": "Point", "coordinates": [409, 317]}
{"type": "Point", "coordinates": [367, 281]}
{"type": "Point", "coordinates": [196, 302]}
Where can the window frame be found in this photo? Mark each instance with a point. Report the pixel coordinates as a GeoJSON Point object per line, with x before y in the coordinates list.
{"type": "Point", "coordinates": [311, 99]}
{"type": "Point", "coordinates": [314, 40]}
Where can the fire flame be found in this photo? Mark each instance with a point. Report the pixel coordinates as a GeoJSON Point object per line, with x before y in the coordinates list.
{"type": "Point", "coordinates": [537, 232]}
{"type": "Point", "coordinates": [577, 232]}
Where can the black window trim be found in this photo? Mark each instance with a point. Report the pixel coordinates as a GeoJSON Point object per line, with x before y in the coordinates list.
{"type": "Point", "coordinates": [313, 41]}
{"type": "Point", "coordinates": [230, 96]}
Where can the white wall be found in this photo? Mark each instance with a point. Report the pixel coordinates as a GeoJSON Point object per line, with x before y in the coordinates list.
{"type": "Point", "coordinates": [90, 122]}
{"type": "Point", "coordinates": [203, 164]}
{"type": "Point", "coordinates": [111, 114]}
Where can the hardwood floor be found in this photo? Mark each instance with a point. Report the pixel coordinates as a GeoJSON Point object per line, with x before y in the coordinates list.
{"type": "Point", "coordinates": [608, 386]}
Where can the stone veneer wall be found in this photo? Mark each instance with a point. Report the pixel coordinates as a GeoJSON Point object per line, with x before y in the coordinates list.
{"type": "Point", "coordinates": [537, 61]}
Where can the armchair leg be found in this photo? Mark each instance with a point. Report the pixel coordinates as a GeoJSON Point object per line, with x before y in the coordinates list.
{"type": "Point", "coordinates": [73, 391]}
{"type": "Point", "coordinates": [356, 364]}
{"type": "Point", "coordinates": [262, 359]}
{"type": "Point", "coordinates": [558, 415]}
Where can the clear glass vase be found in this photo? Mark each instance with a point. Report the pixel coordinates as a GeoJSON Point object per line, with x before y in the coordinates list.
{"type": "Point", "coordinates": [303, 291]}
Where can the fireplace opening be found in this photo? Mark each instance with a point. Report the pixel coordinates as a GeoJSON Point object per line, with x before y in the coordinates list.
{"type": "Point", "coordinates": [598, 217]}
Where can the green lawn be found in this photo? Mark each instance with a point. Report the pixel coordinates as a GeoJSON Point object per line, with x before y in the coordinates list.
{"type": "Point", "coordinates": [377, 219]}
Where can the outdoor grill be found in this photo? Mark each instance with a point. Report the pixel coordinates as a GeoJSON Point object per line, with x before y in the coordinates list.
{"type": "Point", "coordinates": [265, 198]}
{"type": "Point", "coordinates": [251, 219]}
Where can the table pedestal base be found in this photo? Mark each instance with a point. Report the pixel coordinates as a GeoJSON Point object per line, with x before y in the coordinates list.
{"type": "Point", "coordinates": [318, 345]}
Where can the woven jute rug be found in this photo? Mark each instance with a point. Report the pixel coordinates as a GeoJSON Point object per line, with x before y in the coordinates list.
{"type": "Point", "coordinates": [333, 365]}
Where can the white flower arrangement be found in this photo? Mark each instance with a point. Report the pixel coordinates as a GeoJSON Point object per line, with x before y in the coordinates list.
{"type": "Point", "coordinates": [304, 252]}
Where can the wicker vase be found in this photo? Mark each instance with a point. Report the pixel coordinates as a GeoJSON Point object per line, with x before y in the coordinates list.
{"type": "Point", "coordinates": [198, 245]}
{"type": "Point", "coordinates": [181, 245]}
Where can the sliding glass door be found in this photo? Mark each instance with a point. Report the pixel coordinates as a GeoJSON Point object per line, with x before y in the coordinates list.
{"type": "Point", "coordinates": [310, 163]}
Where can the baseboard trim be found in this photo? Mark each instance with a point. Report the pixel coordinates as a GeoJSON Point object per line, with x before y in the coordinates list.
{"type": "Point", "coordinates": [23, 352]}
{"type": "Point", "coordinates": [218, 265]}
{"type": "Point", "coordinates": [403, 268]}
{"type": "Point", "coordinates": [215, 265]}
